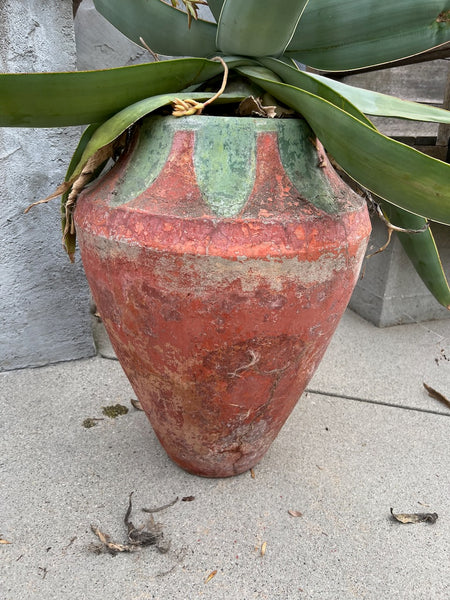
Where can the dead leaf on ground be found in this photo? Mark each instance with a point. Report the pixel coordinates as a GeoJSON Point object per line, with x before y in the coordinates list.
{"type": "Point", "coordinates": [263, 548]}
{"type": "Point", "coordinates": [252, 473]}
{"type": "Point", "coordinates": [295, 513]}
{"type": "Point", "coordinates": [2, 541]}
{"type": "Point", "coordinates": [415, 517]}
{"type": "Point", "coordinates": [149, 534]}
{"type": "Point", "coordinates": [188, 499]}
{"type": "Point", "coordinates": [136, 404]}
{"type": "Point", "coordinates": [437, 395]}
{"type": "Point", "coordinates": [210, 576]}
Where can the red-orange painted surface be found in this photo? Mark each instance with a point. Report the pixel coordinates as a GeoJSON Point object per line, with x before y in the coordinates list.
{"type": "Point", "coordinates": [219, 323]}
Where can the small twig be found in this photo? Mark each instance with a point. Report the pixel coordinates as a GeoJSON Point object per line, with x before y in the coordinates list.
{"type": "Point", "coordinates": [384, 246]}
{"type": "Point", "coordinates": [390, 227]}
{"type": "Point", "coordinates": [160, 508]}
{"type": "Point", "coordinates": [437, 395]}
{"type": "Point", "coordinates": [70, 543]}
{"type": "Point", "coordinates": [155, 56]}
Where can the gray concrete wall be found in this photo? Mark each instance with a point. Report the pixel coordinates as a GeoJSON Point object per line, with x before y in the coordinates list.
{"type": "Point", "coordinates": [44, 300]}
{"type": "Point", "coordinates": [99, 45]}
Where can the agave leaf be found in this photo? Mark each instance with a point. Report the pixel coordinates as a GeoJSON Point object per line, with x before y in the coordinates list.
{"type": "Point", "coordinates": [399, 174]}
{"type": "Point", "coordinates": [335, 36]}
{"type": "Point", "coordinates": [383, 105]}
{"type": "Point", "coordinates": [257, 27]}
{"type": "Point", "coordinates": [422, 251]}
{"type": "Point", "coordinates": [319, 87]}
{"type": "Point", "coordinates": [61, 99]}
{"type": "Point", "coordinates": [163, 28]}
{"type": "Point", "coordinates": [117, 124]}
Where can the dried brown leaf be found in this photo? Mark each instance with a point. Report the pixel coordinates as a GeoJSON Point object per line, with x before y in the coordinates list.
{"type": "Point", "coordinates": [253, 107]}
{"type": "Point", "coordinates": [2, 541]}
{"type": "Point", "coordinates": [415, 517]}
{"type": "Point", "coordinates": [210, 576]}
{"type": "Point", "coordinates": [437, 395]}
{"type": "Point", "coordinates": [159, 508]}
{"type": "Point", "coordinates": [188, 499]}
{"type": "Point", "coordinates": [295, 513]}
{"type": "Point", "coordinates": [252, 473]}
{"type": "Point", "coordinates": [263, 548]}
{"type": "Point", "coordinates": [106, 544]}
{"type": "Point", "coordinates": [61, 189]}
{"type": "Point", "coordinates": [136, 404]}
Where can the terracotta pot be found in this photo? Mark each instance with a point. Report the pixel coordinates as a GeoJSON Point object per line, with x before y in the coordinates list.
{"type": "Point", "coordinates": [221, 253]}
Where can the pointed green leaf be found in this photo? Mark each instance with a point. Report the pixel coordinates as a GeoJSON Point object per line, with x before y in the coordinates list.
{"type": "Point", "coordinates": [335, 36]}
{"type": "Point", "coordinates": [319, 87]}
{"type": "Point", "coordinates": [61, 99]}
{"type": "Point", "coordinates": [257, 27]}
{"type": "Point", "coordinates": [163, 28]}
{"type": "Point", "coordinates": [422, 251]}
{"type": "Point", "coordinates": [383, 105]}
{"type": "Point", "coordinates": [116, 125]}
{"type": "Point", "coordinates": [399, 174]}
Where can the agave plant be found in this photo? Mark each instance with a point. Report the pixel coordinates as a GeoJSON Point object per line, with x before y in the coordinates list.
{"type": "Point", "coordinates": [262, 43]}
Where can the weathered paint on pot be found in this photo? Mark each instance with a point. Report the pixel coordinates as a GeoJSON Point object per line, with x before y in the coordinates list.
{"type": "Point", "coordinates": [221, 253]}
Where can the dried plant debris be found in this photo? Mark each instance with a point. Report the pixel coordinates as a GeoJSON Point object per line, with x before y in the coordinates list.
{"type": "Point", "coordinates": [210, 576]}
{"type": "Point", "coordinates": [91, 422]}
{"type": "Point", "coordinates": [69, 544]}
{"type": "Point", "coordinates": [253, 107]}
{"type": "Point", "coordinates": [295, 513]}
{"type": "Point", "coordinates": [44, 571]}
{"type": "Point", "coordinates": [437, 395]}
{"type": "Point", "coordinates": [160, 508]}
{"type": "Point", "coordinates": [188, 499]}
{"type": "Point", "coordinates": [442, 356]}
{"type": "Point", "coordinates": [3, 541]}
{"type": "Point", "coordinates": [136, 404]}
{"type": "Point", "coordinates": [149, 534]}
{"type": "Point", "coordinates": [115, 410]}
{"type": "Point", "coordinates": [415, 517]}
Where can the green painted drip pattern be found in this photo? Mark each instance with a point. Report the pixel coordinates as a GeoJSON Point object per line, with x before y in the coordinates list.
{"type": "Point", "coordinates": [225, 160]}
{"type": "Point", "coordinates": [225, 165]}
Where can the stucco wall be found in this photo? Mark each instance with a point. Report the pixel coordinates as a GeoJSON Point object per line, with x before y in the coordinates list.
{"type": "Point", "coordinates": [44, 300]}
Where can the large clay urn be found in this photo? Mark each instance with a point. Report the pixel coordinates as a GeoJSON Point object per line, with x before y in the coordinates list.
{"type": "Point", "coordinates": [221, 253]}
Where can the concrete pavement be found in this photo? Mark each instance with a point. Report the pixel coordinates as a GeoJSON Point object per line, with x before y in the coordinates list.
{"type": "Point", "coordinates": [365, 437]}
